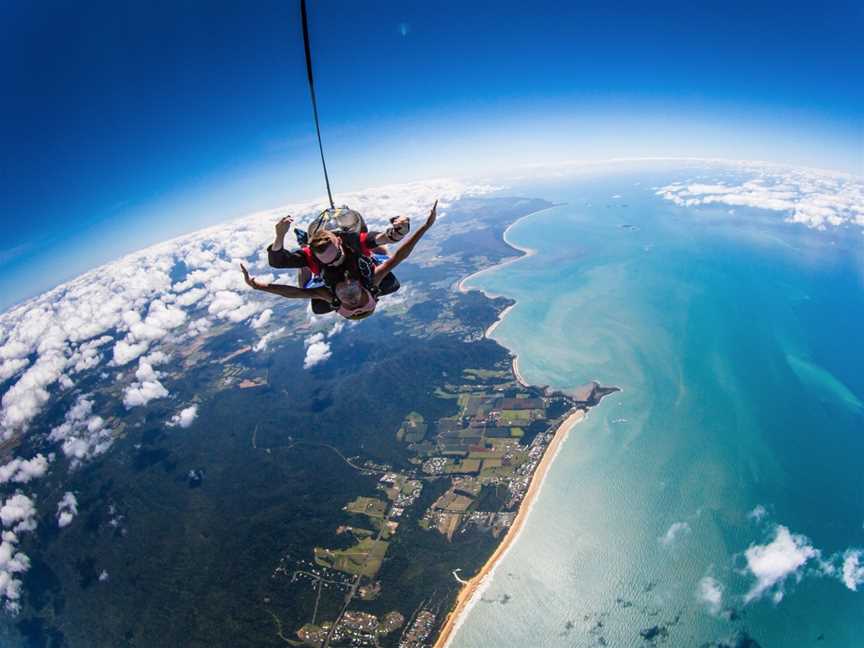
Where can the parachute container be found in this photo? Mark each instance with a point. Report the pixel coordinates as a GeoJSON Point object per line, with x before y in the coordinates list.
{"type": "Point", "coordinates": [338, 219]}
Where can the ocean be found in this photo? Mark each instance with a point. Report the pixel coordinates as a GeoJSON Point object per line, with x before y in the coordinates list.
{"type": "Point", "coordinates": [736, 340]}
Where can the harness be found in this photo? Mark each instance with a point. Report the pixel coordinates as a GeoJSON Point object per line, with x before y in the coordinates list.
{"type": "Point", "coordinates": [366, 262]}
{"type": "Point", "coordinates": [311, 261]}
{"type": "Point", "coordinates": [366, 265]}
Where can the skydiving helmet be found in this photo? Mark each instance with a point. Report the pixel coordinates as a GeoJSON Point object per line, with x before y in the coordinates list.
{"type": "Point", "coordinates": [338, 219]}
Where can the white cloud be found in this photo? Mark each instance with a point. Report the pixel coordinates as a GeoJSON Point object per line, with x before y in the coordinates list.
{"type": "Point", "coordinates": [185, 417]}
{"type": "Point", "coordinates": [53, 340]}
{"type": "Point", "coordinates": [771, 564]}
{"type": "Point", "coordinates": [11, 367]}
{"type": "Point", "coordinates": [103, 576]}
{"type": "Point", "coordinates": [88, 355]}
{"type": "Point", "coordinates": [23, 470]}
{"type": "Point", "coordinates": [224, 301]}
{"type": "Point", "coordinates": [142, 333]}
{"type": "Point", "coordinates": [263, 318]}
{"type": "Point", "coordinates": [674, 532]}
{"type": "Point", "coordinates": [125, 352]}
{"type": "Point", "coordinates": [161, 317]}
{"type": "Point", "coordinates": [261, 345]}
{"type": "Point", "coordinates": [817, 199]}
{"type": "Point", "coordinates": [317, 351]}
{"type": "Point", "coordinates": [12, 564]}
{"type": "Point", "coordinates": [141, 393]}
{"type": "Point", "coordinates": [25, 399]}
{"type": "Point", "coordinates": [710, 592]}
{"type": "Point", "coordinates": [853, 569]}
{"type": "Point", "coordinates": [758, 513]}
{"type": "Point", "coordinates": [14, 349]}
{"type": "Point", "coordinates": [81, 409]}
{"type": "Point", "coordinates": [67, 509]}
{"type": "Point", "coordinates": [191, 296]}
{"type": "Point", "coordinates": [82, 434]}
{"type": "Point", "coordinates": [147, 386]}
{"type": "Point", "coordinates": [18, 513]}
{"type": "Point", "coordinates": [317, 344]}
{"type": "Point", "coordinates": [199, 326]}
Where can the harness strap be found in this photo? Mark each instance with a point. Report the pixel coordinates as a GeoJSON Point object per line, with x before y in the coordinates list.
{"type": "Point", "coordinates": [365, 250]}
{"type": "Point", "coordinates": [311, 261]}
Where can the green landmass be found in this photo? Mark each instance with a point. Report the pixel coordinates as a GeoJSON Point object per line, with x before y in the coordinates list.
{"type": "Point", "coordinates": [307, 507]}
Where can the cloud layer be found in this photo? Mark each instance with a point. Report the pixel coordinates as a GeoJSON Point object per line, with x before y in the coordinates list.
{"type": "Point", "coordinates": [120, 312]}
{"type": "Point", "coordinates": [120, 324]}
{"type": "Point", "coordinates": [817, 199]}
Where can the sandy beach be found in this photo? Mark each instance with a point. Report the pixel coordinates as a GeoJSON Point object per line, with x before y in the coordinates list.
{"type": "Point", "coordinates": [515, 364]}
{"type": "Point", "coordinates": [526, 252]}
{"type": "Point", "coordinates": [500, 318]}
{"type": "Point", "coordinates": [468, 592]}
{"type": "Point", "coordinates": [519, 377]}
{"type": "Point", "coordinates": [471, 589]}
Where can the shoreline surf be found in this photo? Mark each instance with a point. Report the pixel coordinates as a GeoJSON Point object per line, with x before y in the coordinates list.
{"type": "Point", "coordinates": [466, 599]}
{"type": "Point", "coordinates": [473, 588]}
{"type": "Point", "coordinates": [526, 252]}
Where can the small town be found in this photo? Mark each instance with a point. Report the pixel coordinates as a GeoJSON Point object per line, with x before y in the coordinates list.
{"type": "Point", "coordinates": [481, 461]}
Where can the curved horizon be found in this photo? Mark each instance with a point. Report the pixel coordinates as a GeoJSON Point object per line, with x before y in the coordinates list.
{"type": "Point", "coordinates": [137, 125]}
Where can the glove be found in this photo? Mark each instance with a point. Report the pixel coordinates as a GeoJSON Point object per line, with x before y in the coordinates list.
{"type": "Point", "coordinates": [396, 232]}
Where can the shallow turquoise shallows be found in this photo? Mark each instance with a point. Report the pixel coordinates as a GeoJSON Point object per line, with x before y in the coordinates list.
{"type": "Point", "coordinates": [737, 341]}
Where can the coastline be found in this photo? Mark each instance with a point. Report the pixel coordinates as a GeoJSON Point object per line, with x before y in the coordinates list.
{"type": "Point", "coordinates": [469, 592]}
{"type": "Point", "coordinates": [526, 252]}
{"type": "Point", "coordinates": [498, 320]}
{"type": "Point", "coordinates": [519, 377]}
{"type": "Point", "coordinates": [467, 595]}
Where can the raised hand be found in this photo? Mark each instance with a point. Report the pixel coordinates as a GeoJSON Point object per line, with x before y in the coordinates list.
{"type": "Point", "coordinates": [401, 224]}
{"type": "Point", "coordinates": [433, 215]}
{"type": "Point", "coordinates": [284, 225]}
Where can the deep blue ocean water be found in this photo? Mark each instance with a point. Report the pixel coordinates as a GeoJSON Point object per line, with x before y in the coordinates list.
{"type": "Point", "coordinates": [736, 338]}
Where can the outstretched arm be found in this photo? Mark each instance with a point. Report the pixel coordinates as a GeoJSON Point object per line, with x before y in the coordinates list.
{"type": "Point", "coordinates": [406, 248]}
{"type": "Point", "coordinates": [290, 292]}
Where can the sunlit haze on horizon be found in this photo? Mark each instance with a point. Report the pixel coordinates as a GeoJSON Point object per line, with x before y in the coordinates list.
{"type": "Point", "coordinates": [125, 125]}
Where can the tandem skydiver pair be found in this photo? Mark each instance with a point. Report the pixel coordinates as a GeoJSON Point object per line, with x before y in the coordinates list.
{"type": "Point", "coordinates": [342, 266]}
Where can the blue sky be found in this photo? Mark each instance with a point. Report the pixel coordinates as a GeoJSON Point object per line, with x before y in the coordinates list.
{"type": "Point", "coordinates": [126, 123]}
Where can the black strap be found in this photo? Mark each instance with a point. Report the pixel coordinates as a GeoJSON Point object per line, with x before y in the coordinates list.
{"type": "Point", "coordinates": [312, 93]}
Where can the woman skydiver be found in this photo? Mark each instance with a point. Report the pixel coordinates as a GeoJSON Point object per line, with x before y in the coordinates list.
{"type": "Point", "coordinates": [349, 297]}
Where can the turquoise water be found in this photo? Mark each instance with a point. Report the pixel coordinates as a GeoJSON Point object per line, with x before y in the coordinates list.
{"type": "Point", "coordinates": [737, 342]}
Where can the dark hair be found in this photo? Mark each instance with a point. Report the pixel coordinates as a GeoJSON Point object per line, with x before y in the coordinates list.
{"type": "Point", "coordinates": [320, 241]}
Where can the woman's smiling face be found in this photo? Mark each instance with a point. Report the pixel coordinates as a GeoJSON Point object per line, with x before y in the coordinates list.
{"type": "Point", "coordinates": [350, 293]}
{"type": "Point", "coordinates": [333, 253]}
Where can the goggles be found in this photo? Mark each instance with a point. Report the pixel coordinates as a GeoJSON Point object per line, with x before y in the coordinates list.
{"type": "Point", "coordinates": [331, 256]}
